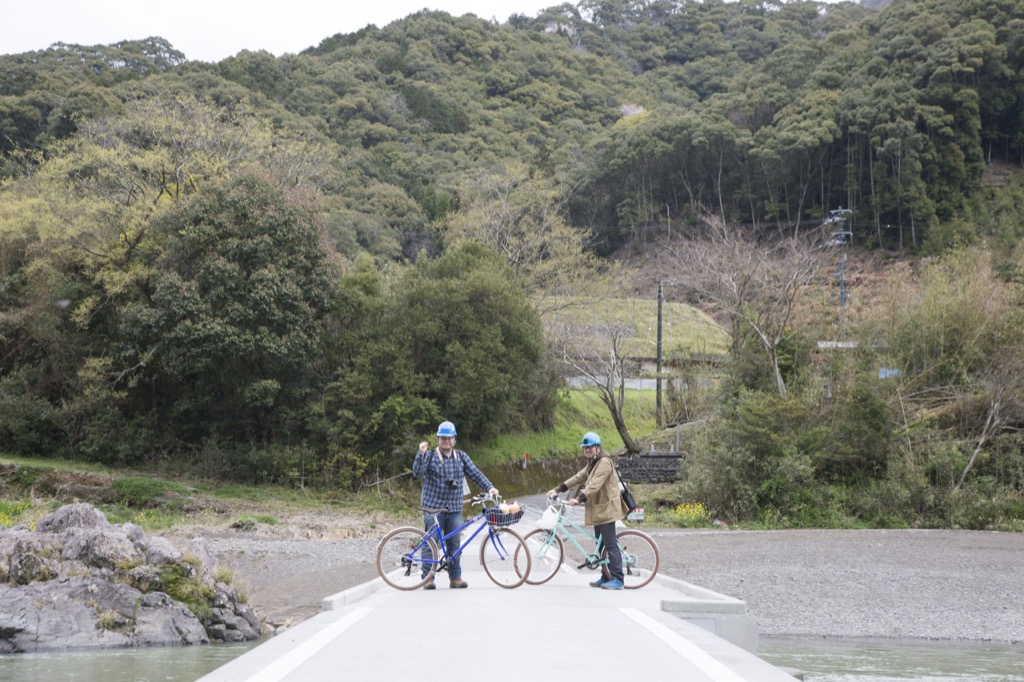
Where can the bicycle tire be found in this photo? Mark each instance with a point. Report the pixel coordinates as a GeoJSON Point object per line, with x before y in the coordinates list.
{"type": "Point", "coordinates": [640, 558]}
{"type": "Point", "coordinates": [546, 555]}
{"type": "Point", "coordinates": [396, 563]}
{"type": "Point", "coordinates": [504, 558]}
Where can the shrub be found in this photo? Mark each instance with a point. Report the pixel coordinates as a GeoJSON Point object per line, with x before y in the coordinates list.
{"type": "Point", "coordinates": [11, 511]}
{"type": "Point", "coordinates": [691, 515]}
{"type": "Point", "coordinates": [29, 421]}
{"type": "Point", "coordinates": [26, 477]}
{"type": "Point", "coordinates": [720, 477]}
{"type": "Point", "coordinates": [758, 455]}
{"type": "Point", "coordinates": [860, 440]}
{"type": "Point", "coordinates": [182, 584]}
{"type": "Point", "coordinates": [139, 491]}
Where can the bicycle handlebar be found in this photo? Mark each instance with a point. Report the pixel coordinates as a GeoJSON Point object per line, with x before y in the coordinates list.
{"type": "Point", "coordinates": [485, 497]}
{"type": "Point", "coordinates": [555, 500]}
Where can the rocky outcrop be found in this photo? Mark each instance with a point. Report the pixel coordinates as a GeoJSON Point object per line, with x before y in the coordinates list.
{"type": "Point", "coordinates": [80, 581]}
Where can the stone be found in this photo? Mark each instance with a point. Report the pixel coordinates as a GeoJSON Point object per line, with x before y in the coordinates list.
{"type": "Point", "coordinates": [81, 582]}
{"type": "Point", "coordinates": [79, 515]}
{"type": "Point", "coordinates": [112, 549]}
{"type": "Point", "coordinates": [26, 568]}
{"type": "Point", "coordinates": [159, 550]}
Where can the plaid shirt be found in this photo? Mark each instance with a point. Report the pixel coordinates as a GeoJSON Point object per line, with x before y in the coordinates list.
{"type": "Point", "coordinates": [442, 478]}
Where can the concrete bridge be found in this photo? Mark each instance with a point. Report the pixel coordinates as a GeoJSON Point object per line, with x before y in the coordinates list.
{"type": "Point", "coordinates": [563, 629]}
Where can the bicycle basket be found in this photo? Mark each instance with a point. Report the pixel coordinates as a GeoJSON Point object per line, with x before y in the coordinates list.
{"type": "Point", "coordinates": [496, 518]}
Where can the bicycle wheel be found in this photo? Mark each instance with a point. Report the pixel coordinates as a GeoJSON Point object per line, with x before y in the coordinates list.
{"type": "Point", "coordinates": [504, 557]}
{"type": "Point", "coordinates": [640, 559]}
{"type": "Point", "coordinates": [404, 555]}
{"type": "Point", "coordinates": [546, 555]}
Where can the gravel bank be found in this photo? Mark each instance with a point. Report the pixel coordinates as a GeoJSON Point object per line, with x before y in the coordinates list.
{"type": "Point", "coordinates": [958, 585]}
{"type": "Point", "coordinates": [961, 585]}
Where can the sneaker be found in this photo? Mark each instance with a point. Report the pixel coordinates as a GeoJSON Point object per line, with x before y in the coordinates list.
{"type": "Point", "coordinates": [613, 584]}
{"type": "Point", "coordinates": [458, 583]}
{"type": "Point", "coordinates": [430, 586]}
{"type": "Point", "coordinates": [599, 582]}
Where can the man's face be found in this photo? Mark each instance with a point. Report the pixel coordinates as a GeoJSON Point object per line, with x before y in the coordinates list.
{"type": "Point", "coordinates": [446, 443]}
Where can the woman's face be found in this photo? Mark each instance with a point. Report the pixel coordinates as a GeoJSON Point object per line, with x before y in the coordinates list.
{"type": "Point", "coordinates": [591, 451]}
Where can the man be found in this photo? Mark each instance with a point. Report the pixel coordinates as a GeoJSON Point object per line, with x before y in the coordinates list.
{"type": "Point", "coordinates": [604, 505]}
{"type": "Point", "coordinates": [443, 470]}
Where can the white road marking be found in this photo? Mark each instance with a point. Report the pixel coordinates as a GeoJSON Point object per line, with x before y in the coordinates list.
{"type": "Point", "coordinates": [700, 659]}
{"type": "Point", "coordinates": [293, 659]}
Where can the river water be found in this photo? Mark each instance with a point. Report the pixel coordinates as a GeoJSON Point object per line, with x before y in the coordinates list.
{"type": "Point", "coordinates": [158, 664]}
{"type": "Point", "coordinates": [821, 661]}
{"type": "Point", "coordinates": [824, 660]}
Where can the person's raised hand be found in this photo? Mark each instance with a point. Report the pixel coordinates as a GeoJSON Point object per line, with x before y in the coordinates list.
{"type": "Point", "coordinates": [423, 447]}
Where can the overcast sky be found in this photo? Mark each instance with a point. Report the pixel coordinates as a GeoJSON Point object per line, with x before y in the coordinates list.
{"type": "Point", "coordinates": [210, 30]}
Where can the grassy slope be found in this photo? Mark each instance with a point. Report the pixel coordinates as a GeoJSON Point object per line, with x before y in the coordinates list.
{"type": "Point", "coordinates": [579, 411]}
{"type": "Point", "coordinates": [685, 329]}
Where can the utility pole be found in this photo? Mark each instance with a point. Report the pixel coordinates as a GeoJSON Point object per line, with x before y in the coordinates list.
{"type": "Point", "coordinates": [661, 297]}
{"type": "Point", "coordinates": [841, 238]}
{"type": "Point", "coordinates": [842, 290]}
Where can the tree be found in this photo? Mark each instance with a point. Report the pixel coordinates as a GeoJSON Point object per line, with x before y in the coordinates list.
{"type": "Point", "coordinates": [602, 355]}
{"type": "Point", "coordinates": [1004, 405]}
{"type": "Point", "coordinates": [474, 341]}
{"type": "Point", "coordinates": [518, 215]}
{"type": "Point", "coordinates": [372, 409]}
{"type": "Point", "coordinates": [230, 326]}
{"type": "Point", "coordinates": [755, 283]}
{"type": "Point", "coordinates": [451, 338]}
{"type": "Point", "coordinates": [800, 139]}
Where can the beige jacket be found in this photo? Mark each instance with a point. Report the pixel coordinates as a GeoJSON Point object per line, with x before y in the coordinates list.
{"type": "Point", "coordinates": [600, 491]}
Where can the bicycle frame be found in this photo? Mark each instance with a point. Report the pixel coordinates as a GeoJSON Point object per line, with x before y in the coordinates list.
{"type": "Point", "coordinates": [445, 560]}
{"type": "Point", "coordinates": [547, 546]}
{"type": "Point", "coordinates": [502, 551]}
{"type": "Point", "coordinates": [563, 524]}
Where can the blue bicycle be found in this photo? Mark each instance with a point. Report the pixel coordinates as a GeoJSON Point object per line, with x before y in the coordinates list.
{"type": "Point", "coordinates": [408, 558]}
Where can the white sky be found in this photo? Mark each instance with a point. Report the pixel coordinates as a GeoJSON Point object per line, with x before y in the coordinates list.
{"type": "Point", "coordinates": [210, 30]}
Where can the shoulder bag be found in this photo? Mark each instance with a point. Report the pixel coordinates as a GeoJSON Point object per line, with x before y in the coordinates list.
{"type": "Point", "coordinates": [627, 496]}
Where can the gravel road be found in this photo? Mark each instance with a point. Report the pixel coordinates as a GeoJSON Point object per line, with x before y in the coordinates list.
{"type": "Point", "coordinates": [926, 584]}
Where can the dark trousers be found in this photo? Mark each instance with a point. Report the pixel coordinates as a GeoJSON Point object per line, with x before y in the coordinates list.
{"type": "Point", "coordinates": [449, 521]}
{"type": "Point", "coordinates": [606, 531]}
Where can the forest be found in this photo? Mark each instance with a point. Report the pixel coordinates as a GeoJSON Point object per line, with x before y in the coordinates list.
{"type": "Point", "coordinates": [309, 260]}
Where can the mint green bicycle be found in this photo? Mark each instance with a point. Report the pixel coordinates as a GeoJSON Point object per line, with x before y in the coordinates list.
{"type": "Point", "coordinates": [640, 557]}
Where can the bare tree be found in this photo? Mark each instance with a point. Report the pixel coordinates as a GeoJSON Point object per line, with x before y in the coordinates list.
{"type": "Point", "coordinates": [1004, 384]}
{"type": "Point", "coordinates": [601, 355]}
{"type": "Point", "coordinates": [755, 283]}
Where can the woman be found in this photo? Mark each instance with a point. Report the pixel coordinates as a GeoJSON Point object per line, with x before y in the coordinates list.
{"type": "Point", "coordinates": [604, 504]}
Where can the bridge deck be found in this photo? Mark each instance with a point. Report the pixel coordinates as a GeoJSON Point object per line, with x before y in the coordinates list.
{"type": "Point", "coordinates": [558, 630]}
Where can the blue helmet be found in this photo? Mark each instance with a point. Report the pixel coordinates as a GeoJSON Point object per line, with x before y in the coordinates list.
{"type": "Point", "coordinates": [446, 429]}
{"type": "Point", "coordinates": [590, 438]}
